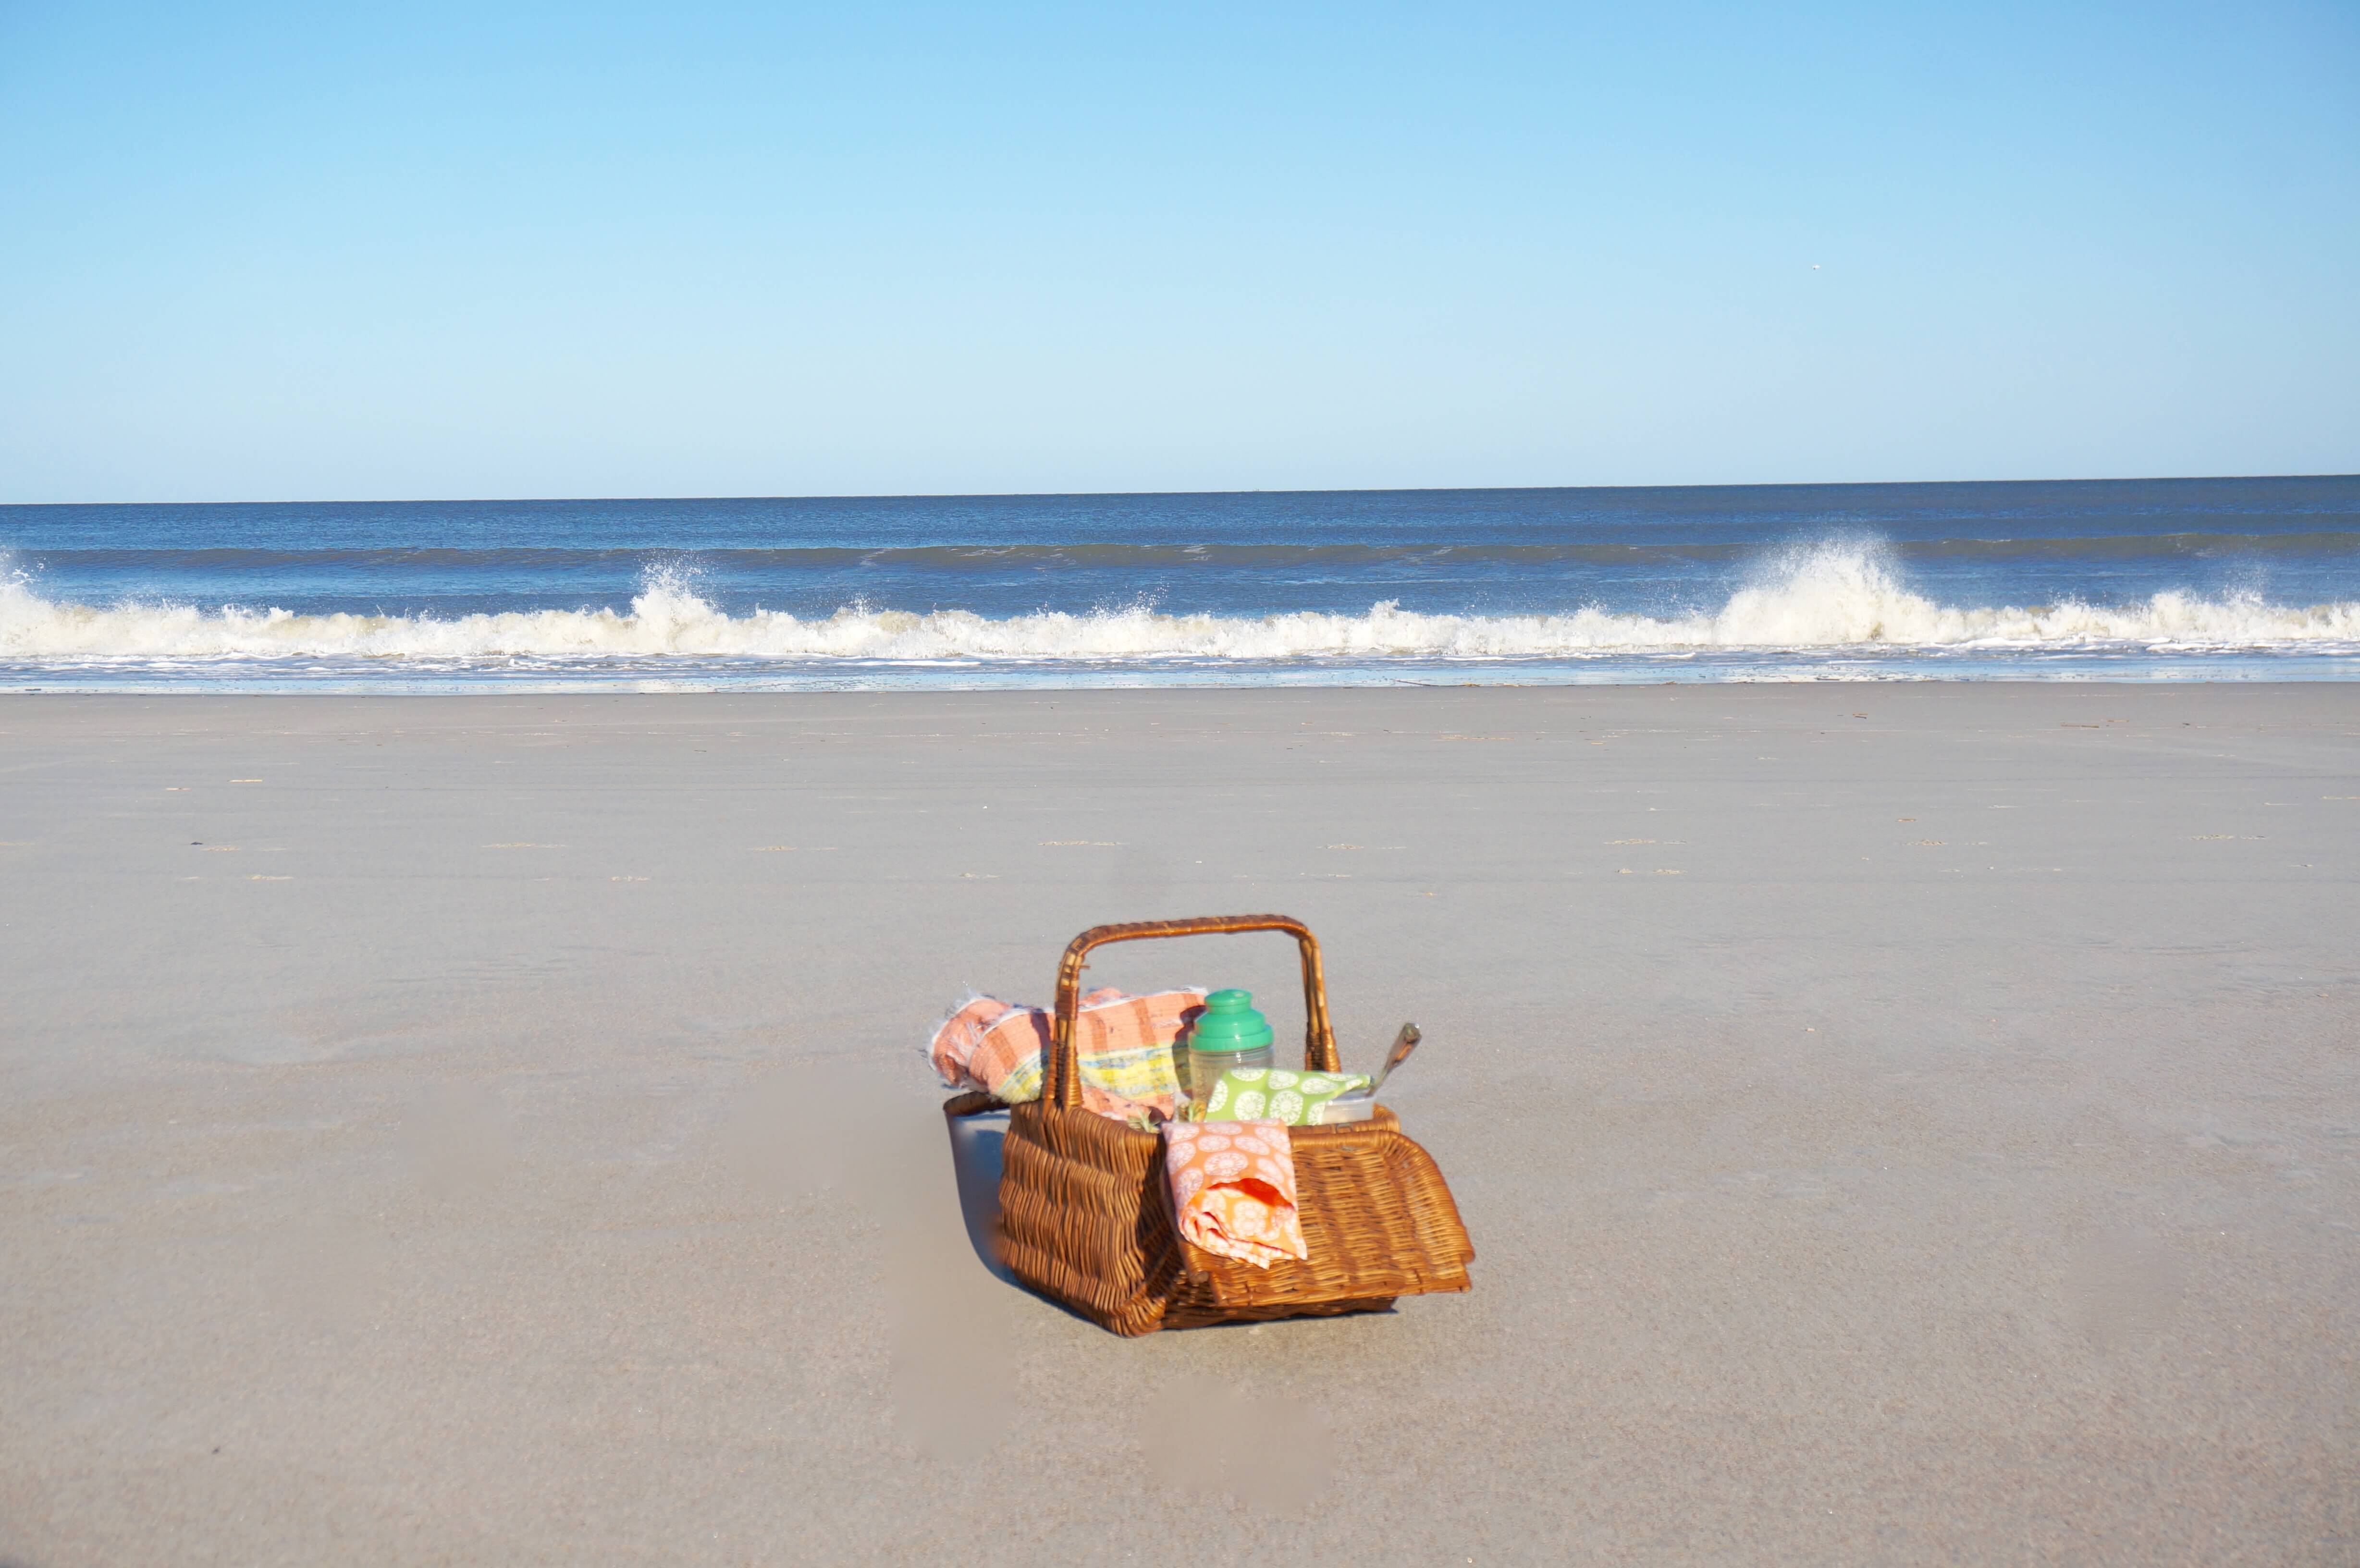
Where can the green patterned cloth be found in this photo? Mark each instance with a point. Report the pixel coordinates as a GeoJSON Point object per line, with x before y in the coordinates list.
{"type": "Point", "coordinates": [1273, 1094]}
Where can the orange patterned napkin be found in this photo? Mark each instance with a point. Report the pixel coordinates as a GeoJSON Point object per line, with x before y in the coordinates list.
{"type": "Point", "coordinates": [1233, 1188]}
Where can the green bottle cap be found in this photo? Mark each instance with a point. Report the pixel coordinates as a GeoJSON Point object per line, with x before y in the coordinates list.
{"type": "Point", "coordinates": [1229, 1023]}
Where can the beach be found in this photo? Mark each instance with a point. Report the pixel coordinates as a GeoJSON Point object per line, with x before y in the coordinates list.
{"type": "Point", "coordinates": [1897, 1123]}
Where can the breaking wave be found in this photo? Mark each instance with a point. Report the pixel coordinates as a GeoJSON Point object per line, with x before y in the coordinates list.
{"type": "Point", "coordinates": [1828, 597]}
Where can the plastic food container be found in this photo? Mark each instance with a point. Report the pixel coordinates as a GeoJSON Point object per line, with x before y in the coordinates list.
{"type": "Point", "coordinates": [1346, 1111]}
{"type": "Point", "coordinates": [1227, 1034]}
{"type": "Point", "coordinates": [1206, 1067]}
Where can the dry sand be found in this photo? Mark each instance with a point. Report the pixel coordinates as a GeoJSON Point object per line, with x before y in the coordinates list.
{"type": "Point", "coordinates": [1897, 1124]}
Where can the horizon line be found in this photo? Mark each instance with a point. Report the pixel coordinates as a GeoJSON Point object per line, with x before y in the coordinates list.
{"type": "Point", "coordinates": [1079, 494]}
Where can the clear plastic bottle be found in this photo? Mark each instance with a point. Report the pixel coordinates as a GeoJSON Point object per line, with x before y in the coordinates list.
{"type": "Point", "coordinates": [1228, 1034]}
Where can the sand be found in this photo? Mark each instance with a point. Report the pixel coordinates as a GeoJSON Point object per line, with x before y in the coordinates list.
{"type": "Point", "coordinates": [1898, 1123]}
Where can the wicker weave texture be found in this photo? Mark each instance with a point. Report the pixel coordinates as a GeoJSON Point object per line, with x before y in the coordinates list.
{"type": "Point", "coordinates": [1085, 1218]}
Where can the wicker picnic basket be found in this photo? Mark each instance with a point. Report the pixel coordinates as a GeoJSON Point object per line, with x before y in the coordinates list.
{"type": "Point", "coordinates": [1086, 1217]}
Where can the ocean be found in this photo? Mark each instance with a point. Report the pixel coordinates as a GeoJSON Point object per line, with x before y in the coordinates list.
{"type": "Point", "coordinates": [2173, 580]}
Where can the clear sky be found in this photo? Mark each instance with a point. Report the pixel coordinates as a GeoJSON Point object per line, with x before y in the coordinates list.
{"type": "Point", "coordinates": [312, 252]}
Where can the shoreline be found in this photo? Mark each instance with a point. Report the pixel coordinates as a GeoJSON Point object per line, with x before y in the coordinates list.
{"type": "Point", "coordinates": [2214, 669]}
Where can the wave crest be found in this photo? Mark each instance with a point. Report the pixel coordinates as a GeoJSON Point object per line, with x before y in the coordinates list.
{"type": "Point", "coordinates": [1828, 597]}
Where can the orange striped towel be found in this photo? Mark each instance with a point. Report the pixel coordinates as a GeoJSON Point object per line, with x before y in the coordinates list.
{"type": "Point", "coordinates": [1233, 1188]}
{"type": "Point", "coordinates": [1126, 1045]}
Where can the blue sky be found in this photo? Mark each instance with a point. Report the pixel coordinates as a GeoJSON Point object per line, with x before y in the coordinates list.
{"type": "Point", "coordinates": [439, 251]}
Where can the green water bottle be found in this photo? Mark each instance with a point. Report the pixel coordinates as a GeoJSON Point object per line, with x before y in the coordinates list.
{"type": "Point", "coordinates": [1227, 1034]}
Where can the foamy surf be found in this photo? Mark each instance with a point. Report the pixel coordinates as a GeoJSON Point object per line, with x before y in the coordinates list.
{"type": "Point", "coordinates": [1828, 598]}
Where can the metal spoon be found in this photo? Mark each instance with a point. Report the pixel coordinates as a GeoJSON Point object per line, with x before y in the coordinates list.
{"type": "Point", "coordinates": [1403, 1044]}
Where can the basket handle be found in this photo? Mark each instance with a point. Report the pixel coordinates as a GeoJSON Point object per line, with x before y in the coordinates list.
{"type": "Point", "coordinates": [1065, 1060]}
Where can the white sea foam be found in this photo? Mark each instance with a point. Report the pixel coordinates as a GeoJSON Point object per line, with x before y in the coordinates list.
{"type": "Point", "coordinates": [1828, 597]}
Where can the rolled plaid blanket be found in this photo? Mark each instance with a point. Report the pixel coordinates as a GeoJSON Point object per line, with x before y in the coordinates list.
{"type": "Point", "coordinates": [1126, 1044]}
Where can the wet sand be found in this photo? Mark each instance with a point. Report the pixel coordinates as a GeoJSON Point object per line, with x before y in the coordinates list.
{"type": "Point", "coordinates": [1897, 1124]}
